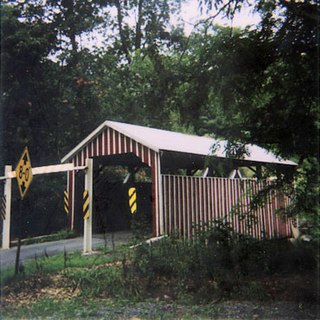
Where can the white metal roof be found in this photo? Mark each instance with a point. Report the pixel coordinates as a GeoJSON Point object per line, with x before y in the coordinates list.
{"type": "Point", "coordinates": [157, 140]}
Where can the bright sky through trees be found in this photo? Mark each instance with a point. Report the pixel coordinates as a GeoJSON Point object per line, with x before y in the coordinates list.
{"type": "Point", "coordinates": [191, 14]}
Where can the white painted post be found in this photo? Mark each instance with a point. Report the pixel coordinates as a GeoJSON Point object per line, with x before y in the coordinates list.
{"type": "Point", "coordinates": [6, 221]}
{"type": "Point", "coordinates": [88, 185]}
{"type": "Point", "coordinates": [160, 191]}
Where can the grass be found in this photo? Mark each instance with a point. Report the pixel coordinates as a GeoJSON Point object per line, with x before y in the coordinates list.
{"type": "Point", "coordinates": [110, 309]}
{"type": "Point", "coordinates": [171, 279]}
{"type": "Point", "coordinates": [57, 263]}
{"type": "Point", "coordinates": [60, 235]}
{"type": "Point", "coordinates": [51, 308]}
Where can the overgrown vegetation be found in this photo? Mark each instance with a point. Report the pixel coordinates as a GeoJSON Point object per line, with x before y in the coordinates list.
{"type": "Point", "coordinates": [221, 265]}
{"type": "Point", "coordinates": [218, 265]}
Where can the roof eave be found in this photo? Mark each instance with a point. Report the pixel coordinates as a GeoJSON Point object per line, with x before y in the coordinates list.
{"type": "Point", "coordinates": [105, 124]}
{"type": "Point", "coordinates": [69, 156]}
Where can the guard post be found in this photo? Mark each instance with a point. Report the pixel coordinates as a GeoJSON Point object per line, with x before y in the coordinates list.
{"type": "Point", "coordinates": [7, 209]}
{"type": "Point", "coordinates": [88, 185]}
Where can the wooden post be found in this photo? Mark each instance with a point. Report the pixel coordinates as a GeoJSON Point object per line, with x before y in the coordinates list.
{"type": "Point", "coordinates": [88, 185]}
{"type": "Point", "coordinates": [6, 221]}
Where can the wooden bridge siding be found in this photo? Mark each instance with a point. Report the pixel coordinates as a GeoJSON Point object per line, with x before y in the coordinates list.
{"type": "Point", "coordinates": [196, 201]}
{"type": "Point", "coordinates": [110, 142]}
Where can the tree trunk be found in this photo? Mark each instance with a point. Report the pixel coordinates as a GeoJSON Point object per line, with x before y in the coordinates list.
{"type": "Point", "coordinates": [124, 44]}
{"type": "Point", "coordinates": [138, 26]}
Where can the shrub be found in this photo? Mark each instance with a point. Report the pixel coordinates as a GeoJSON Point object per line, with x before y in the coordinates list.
{"type": "Point", "coordinates": [219, 262]}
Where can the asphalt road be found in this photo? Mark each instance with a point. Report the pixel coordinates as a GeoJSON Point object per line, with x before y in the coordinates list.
{"type": "Point", "coordinates": [28, 252]}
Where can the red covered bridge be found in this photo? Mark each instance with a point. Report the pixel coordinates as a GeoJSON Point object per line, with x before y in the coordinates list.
{"type": "Point", "coordinates": [190, 181]}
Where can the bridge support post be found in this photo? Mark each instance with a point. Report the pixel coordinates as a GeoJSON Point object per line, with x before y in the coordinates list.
{"type": "Point", "coordinates": [88, 185]}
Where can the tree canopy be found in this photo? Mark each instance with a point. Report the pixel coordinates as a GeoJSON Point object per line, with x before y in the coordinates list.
{"type": "Point", "coordinates": [253, 85]}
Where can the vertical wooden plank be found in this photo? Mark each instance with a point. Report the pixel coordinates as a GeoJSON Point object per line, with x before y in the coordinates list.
{"type": "Point", "coordinates": [112, 141]}
{"type": "Point", "coordinates": [189, 207]}
{"type": "Point", "coordinates": [184, 210]}
{"type": "Point", "coordinates": [196, 212]}
{"type": "Point", "coordinates": [174, 202]}
{"type": "Point", "coordinates": [122, 144]}
{"type": "Point", "coordinates": [103, 143]}
{"type": "Point", "coordinates": [232, 202]}
{"type": "Point", "coordinates": [216, 199]}
{"type": "Point", "coordinates": [154, 195]}
{"type": "Point", "coordinates": [165, 202]}
{"type": "Point", "coordinates": [107, 141]}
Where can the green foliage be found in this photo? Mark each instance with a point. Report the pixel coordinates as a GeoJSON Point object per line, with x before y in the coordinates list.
{"type": "Point", "coordinates": [307, 198]}
{"type": "Point", "coordinates": [47, 265]}
{"type": "Point", "coordinates": [267, 89]}
{"type": "Point", "coordinates": [250, 86]}
{"type": "Point", "coordinates": [60, 235]}
{"type": "Point", "coordinates": [219, 264]}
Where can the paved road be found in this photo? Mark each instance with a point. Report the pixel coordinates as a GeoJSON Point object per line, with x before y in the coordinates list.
{"type": "Point", "coordinates": [28, 252]}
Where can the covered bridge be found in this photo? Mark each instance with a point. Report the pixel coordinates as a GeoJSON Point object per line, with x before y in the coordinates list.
{"type": "Point", "coordinates": [186, 186]}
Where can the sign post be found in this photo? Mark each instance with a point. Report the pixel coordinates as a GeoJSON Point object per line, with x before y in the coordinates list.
{"type": "Point", "coordinates": [24, 179]}
{"type": "Point", "coordinates": [7, 210]}
{"type": "Point", "coordinates": [24, 174]}
{"type": "Point", "coordinates": [87, 232]}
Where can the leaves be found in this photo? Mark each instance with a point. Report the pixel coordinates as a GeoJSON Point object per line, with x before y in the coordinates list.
{"type": "Point", "coordinates": [255, 86]}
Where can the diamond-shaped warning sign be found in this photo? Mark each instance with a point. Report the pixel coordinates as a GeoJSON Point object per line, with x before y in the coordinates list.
{"type": "Point", "coordinates": [24, 173]}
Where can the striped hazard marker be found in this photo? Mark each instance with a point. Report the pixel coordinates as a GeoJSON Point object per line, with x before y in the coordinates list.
{"type": "Point", "coordinates": [66, 202]}
{"type": "Point", "coordinates": [132, 199]}
{"type": "Point", "coordinates": [85, 207]}
{"type": "Point", "coordinates": [3, 207]}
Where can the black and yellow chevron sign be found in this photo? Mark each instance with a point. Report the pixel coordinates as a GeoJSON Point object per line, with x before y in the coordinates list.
{"type": "Point", "coordinates": [66, 201]}
{"type": "Point", "coordinates": [132, 199]}
{"type": "Point", "coordinates": [3, 207]}
{"type": "Point", "coordinates": [85, 208]}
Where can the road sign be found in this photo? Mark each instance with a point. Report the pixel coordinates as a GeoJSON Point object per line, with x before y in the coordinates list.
{"type": "Point", "coordinates": [132, 199]}
{"type": "Point", "coordinates": [86, 207]}
{"type": "Point", "coordinates": [24, 173]}
{"type": "Point", "coordinates": [3, 207]}
{"type": "Point", "coordinates": [66, 202]}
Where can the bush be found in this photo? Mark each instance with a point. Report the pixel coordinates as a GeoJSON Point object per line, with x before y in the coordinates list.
{"type": "Point", "coordinates": [219, 263]}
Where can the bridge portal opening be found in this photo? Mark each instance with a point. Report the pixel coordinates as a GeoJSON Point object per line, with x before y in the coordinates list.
{"type": "Point", "coordinates": [113, 176]}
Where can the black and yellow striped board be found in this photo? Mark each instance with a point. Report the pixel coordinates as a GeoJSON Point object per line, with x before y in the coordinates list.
{"type": "Point", "coordinates": [85, 208]}
{"type": "Point", "coordinates": [3, 207]}
{"type": "Point", "coordinates": [66, 202]}
{"type": "Point", "coordinates": [132, 199]}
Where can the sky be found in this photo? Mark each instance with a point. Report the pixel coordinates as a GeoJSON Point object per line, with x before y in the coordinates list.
{"type": "Point", "coordinates": [189, 16]}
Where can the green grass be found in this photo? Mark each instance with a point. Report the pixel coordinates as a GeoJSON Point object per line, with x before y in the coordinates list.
{"type": "Point", "coordinates": [171, 279]}
{"type": "Point", "coordinates": [60, 235]}
{"type": "Point", "coordinates": [51, 308]}
{"type": "Point", "coordinates": [59, 262]}
{"type": "Point", "coordinates": [110, 309]}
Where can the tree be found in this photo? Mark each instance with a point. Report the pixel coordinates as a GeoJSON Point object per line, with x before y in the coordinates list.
{"type": "Point", "coordinates": [281, 109]}
{"type": "Point", "coordinates": [25, 90]}
{"type": "Point", "coordinates": [151, 29]}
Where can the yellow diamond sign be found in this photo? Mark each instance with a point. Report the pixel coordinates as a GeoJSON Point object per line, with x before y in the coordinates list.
{"type": "Point", "coordinates": [24, 172]}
